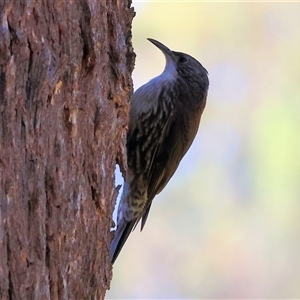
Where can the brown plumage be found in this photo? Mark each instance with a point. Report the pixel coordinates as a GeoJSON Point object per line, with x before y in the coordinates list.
{"type": "Point", "coordinates": [163, 121]}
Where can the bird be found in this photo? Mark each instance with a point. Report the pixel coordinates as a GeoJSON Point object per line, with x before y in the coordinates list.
{"type": "Point", "coordinates": [164, 117]}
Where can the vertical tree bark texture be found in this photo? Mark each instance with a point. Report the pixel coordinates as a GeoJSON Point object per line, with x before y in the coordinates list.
{"type": "Point", "coordinates": [65, 80]}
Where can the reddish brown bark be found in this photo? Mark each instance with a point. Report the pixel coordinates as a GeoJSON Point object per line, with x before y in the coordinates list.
{"type": "Point", "coordinates": [65, 70]}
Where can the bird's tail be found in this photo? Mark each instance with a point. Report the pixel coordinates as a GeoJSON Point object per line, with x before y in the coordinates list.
{"type": "Point", "coordinates": [121, 235]}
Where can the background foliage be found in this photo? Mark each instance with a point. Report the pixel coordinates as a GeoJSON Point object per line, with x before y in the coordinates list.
{"type": "Point", "coordinates": [227, 225]}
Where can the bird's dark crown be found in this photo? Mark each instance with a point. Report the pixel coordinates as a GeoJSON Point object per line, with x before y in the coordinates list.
{"type": "Point", "coordinates": [187, 65]}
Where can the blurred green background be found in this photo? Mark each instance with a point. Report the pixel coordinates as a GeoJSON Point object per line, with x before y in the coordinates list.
{"type": "Point", "coordinates": [228, 223]}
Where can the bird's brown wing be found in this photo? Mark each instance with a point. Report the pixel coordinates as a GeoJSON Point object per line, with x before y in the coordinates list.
{"type": "Point", "coordinates": [166, 158]}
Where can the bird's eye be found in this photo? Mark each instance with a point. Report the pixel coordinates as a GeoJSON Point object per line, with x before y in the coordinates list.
{"type": "Point", "coordinates": [182, 59]}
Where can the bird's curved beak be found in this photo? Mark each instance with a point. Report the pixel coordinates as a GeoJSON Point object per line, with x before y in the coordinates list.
{"type": "Point", "coordinates": [165, 50]}
{"type": "Point", "coordinates": [170, 68]}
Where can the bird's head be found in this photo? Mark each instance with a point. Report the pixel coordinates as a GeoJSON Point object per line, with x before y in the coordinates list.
{"type": "Point", "coordinates": [178, 63]}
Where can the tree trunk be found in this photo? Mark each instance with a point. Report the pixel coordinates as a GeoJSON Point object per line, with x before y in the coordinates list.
{"type": "Point", "coordinates": [65, 80]}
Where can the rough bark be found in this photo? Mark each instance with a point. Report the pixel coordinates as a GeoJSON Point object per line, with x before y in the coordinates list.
{"type": "Point", "coordinates": [65, 80]}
